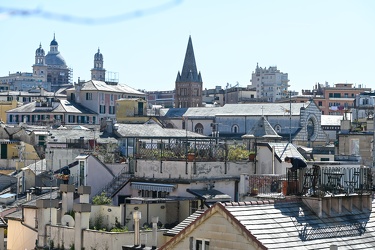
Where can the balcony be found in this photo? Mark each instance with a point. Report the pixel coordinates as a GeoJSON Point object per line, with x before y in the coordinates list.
{"type": "Point", "coordinates": [316, 182]}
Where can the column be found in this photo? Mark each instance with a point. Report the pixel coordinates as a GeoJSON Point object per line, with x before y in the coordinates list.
{"type": "Point", "coordinates": [47, 215]}
{"type": "Point", "coordinates": [67, 198]}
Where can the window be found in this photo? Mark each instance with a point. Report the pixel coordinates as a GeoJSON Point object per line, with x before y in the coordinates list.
{"type": "Point", "coordinates": [102, 109]}
{"type": "Point", "coordinates": [199, 128]}
{"type": "Point", "coordinates": [320, 103]}
{"type": "Point", "coordinates": [194, 206]}
{"type": "Point", "coordinates": [111, 110]}
{"type": "Point", "coordinates": [235, 129]}
{"type": "Point", "coordinates": [88, 96]}
{"type": "Point", "coordinates": [202, 245]}
{"type": "Point", "coordinates": [278, 128]}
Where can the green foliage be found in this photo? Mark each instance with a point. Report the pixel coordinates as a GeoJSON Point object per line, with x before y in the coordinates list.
{"type": "Point", "coordinates": [237, 152]}
{"type": "Point", "coordinates": [101, 199]}
{"type": "Point", "coordinates": [120, 229]}
{"type": "Point", "coordinates": [98, 222]}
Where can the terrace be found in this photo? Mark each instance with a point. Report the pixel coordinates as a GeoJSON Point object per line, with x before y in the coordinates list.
{"type": "Point", "coordinates": [318, 181]}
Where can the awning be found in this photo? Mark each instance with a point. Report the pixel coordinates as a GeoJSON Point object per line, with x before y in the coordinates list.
{"type": "Point", "coordinates": [153, 186]}
{"type": "Point", "coordinates": [210, 195]}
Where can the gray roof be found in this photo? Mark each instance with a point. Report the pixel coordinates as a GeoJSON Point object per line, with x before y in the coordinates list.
{"type": "Point", "coordinates": [6, 181]}
{"type": "Point", "coordinates": [259, 109]}
{"type": "Point", "coordinates": [152, 130]}
{"type": "Point", "coordinates": [94, 85]}
{"type": "Point", "coordinates": [37, 167]}
{"type": "Point", "coordinates": [249, 109]}
{"type": "Point", "coordinates": [293, 225]}
{"type": "Point", "coordinates": [201, 112]}
{"type": "Point", "coordinates": [262, 129]}
{"type": "Point", "coordinates": [288, 225]}
{"type": "Point", "coordinates": [331, 120]}
{"type": "Point", "coordinates": [62, 135]}
{"type": "Point", "coordinates": [55, 59]}
{"type": "Point", "coordinates": [284, 149]}
{"type": "Point", "coordinates": [32, 94]}
{"type": "Point", "coordinates": [63, 106]}
{"type": "Point", "coordinates": [181, 226]}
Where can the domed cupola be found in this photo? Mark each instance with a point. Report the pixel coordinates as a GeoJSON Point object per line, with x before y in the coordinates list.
{"type": "Point", "coordinates": [39, 51]}
{"type": "Point", "coordinates": [54, 42]}
{"type": "Point", "coordinates": [98, 72]}
{"type": "Point", "coordinates": [39, 55]}
{"type": "Point", "coordinates": [98, 56]}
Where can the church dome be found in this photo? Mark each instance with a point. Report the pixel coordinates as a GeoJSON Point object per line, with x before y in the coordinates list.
{"type": "Point", "coordinates": [39, 51]}
{"type": "Point", "coordinates": [98, 56]}
{"type": "Point", "coordinates": [55, 59]}
{"type": "Point", "coordinates": [53, 42]}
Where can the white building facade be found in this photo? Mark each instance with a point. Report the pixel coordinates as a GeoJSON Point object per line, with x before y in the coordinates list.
{"type": "Point", "coordinates": [270, 83]}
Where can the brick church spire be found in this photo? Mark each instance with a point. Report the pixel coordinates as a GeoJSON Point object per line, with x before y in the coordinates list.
{"type": "Point", "coordinates": [189, 69]}
{"type": "Point", "coordinates": [188, 82]}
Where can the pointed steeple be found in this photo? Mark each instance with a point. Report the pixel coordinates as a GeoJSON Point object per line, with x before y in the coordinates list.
{"type": "Point", "coordinates": [189, 69]}
{"type": "Point", "coordinates": [263, 129]}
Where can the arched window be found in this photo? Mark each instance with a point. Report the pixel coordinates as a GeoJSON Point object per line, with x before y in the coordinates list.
{"type": "Point", "coordinates": [198, 128]}
{"type": "Point", "coordinates": [277, 128]}
{"type": "Point", "coordinates": [235, 129]}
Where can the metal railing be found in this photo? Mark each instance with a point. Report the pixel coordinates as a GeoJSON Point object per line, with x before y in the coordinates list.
{"type": "Point", "coordinates": [316, 181]}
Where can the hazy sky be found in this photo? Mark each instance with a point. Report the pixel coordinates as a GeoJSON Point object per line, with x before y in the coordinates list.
{"type": "Point", "coordinates": [144, 42]}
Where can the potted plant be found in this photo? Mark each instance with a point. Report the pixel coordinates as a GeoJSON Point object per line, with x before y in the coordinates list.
{"type": "Point", "coordinates": [254, 191]}
{"type": "Point", "coordinates": [252, 156]}
{"type": "Point", "coordinates": [191, 156]}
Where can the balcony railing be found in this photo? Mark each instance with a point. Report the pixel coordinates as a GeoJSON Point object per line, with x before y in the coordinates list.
{"type": "Point", "coordinates": [316, 182]}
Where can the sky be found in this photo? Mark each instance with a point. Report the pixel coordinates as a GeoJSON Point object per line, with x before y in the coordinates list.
{"type": "Point", "coordinates": [144, 42]}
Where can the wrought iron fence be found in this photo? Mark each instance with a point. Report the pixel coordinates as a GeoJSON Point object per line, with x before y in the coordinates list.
{"type": "Point", "coordinates": [191, 150]}
{"type": "Point", "coordinates": [316, 181]}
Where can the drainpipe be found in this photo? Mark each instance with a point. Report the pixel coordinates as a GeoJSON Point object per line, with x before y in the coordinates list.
{"type": "Point", "coordinates": [155, 231]}
{"type": "Point", "coordinates": [273, 159]}
{"type": "Point", "coordinates": [136, 216]}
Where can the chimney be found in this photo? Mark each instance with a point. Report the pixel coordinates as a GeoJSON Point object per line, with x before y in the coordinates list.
{"type": "Point", "coordinates": [47, 215]}
{"type": "Point", "coordinates": [136, 216]}
{"type": "Point", "coordinates": [67, 198]}
{"type": "Point", "coordinates": [155, 221]}
{"type": "Point", "coordinates": [84, 194]}
{"type": "Point", "coordinates": [82, 215]}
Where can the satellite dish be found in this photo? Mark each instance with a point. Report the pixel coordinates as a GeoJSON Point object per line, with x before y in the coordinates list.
{"type": "Point", "coordinates": [67, 220]}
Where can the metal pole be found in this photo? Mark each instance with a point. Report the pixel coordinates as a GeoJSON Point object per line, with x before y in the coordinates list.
{"type": "Point", "coordinates": [290, 116]}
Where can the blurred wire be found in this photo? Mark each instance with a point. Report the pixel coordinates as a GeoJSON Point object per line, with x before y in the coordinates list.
{"type": "Point", "coordinates": [38, 12]}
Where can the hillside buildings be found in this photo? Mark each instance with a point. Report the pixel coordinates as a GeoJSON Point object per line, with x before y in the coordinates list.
{"type": "Point", "coordinates": [270, 83]}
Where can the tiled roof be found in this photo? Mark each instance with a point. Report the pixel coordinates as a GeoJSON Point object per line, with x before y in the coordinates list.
{"type": "Point", "coordinates": [152, 130]}
{"type": "Point", "coordinates": [184, 223]}
{"type": "Point", "coordinates": [289, 225]}
{"type": "Point", "coordinates": [284, 149]}
{"type": "Point", "coordinates": [331, 120]}
{"type": "Point", "coordinates": [202, 112]}
{"type": "Point", "coordinates": [6, 181]}
{"type": "Point", "coordinates": [293, 225]}
{"type": "Point", "coordinates": [61, 107]}
{"type": "Point", "coordinates": [37, 167]}
{"type": "Point", "coordinates": [260, 109]}
{"type": "Point", "coordinates": [263, 129]}
{"type": "Point", "coordinates": [102, 86]}
{"type": "Point", "coordinates": [174, 112]}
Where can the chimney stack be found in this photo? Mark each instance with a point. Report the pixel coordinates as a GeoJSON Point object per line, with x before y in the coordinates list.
{"type": "Point", "coordinates": [155, 221]}
{"type": "Point", "coordinates": [136, 216]}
